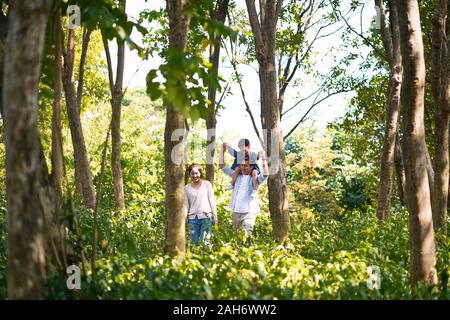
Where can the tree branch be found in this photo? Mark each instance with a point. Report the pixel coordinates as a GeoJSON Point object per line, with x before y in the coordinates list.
{"type": "Point", "coordinates": [256, 28]}
{"type": "Point", "coordinates": [315, 103]}
{"type": "Point", "coordinates": [109, 63]}
{"type": "Point", "coordinates": [84, 48]}
{"type": "Point", "coordinates": [304, 99]}
{"type": "Point", "coordinates": [385, 33]}
{"type": "Point", "coordinates": [247, 106]}
{"type": "Point", "coordinates": [381, 54]}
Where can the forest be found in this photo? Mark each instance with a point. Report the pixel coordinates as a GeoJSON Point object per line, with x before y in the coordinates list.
{"type": "Point", "coordinates": [274, 149]}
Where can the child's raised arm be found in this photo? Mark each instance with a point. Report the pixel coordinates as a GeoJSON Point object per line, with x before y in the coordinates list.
{"type": "Point", "coordinates": [230, 149]}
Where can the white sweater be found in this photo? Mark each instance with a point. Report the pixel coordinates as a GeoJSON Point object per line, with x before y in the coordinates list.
{"type": "Point", "coordinates": [199, 203]}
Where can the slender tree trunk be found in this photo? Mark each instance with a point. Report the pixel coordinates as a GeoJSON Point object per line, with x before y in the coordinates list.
{"type": "Point", "coordinates": [218, 14]}
{"type": "Point", "coordinates": [97, 203]}
{"type": "Point", "coordinates": [174, 170]}
{"type": "Point", "coordinates": [26, 238]}
{"type": "Point", "coordinates": [441, 94]}
{"type": "Point", "coordinates": [83, 177]}
{"type": "Point", "coordinates": [119, 195]}
{"type": "Point", "coordinates": [211, 140]}
{"type": "Point", "coordinates": [392, 46]}
{"type": "Point", "coordinates": [3, 29]}
{"type": "Point", "coordinates": [264, 28]}
{"type": "Point", "coordinates": [56, 236]}
{"type": "Point", "coordinates": [400, 170]}
{"type": "Point", "coordinates": [57, 155]}
{"type": "Point", "coordinates": [116, 105]}
{"type": "Point", "coordinates": [430, 173]}
{"type": "Point", "coordinates": [423, 254]}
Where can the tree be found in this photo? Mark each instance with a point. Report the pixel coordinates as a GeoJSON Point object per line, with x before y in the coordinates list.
{"type": "Point", "coordinates": [26, 238]}
{"type": "Point", "coordinates": [391, 42]}
{"type": "Point", "coordinates": [440, 84]}
{"type": "Point", "coordinates": [264, 28]}
{"type": "Point", "coordinates": [3, 28]}
{"type": "Point", "coordinates": [174, 170]}
{"type": "Point", "coordinates": [57, 148]}
{"type": "Point", "coordinates": [219, 13]}
{"type": "Point", "coordinates": [116, 105]}
{"type": "Point", "coordinates": [83, 176]}
{"type": "Point", "coordinates": [423, 255]}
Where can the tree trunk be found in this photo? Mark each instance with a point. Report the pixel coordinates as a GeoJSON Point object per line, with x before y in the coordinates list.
{"type": "Point", "coordinates": [57, 148]}
{"type": "Point", "coordinates": [116, 105]}
{"type": "Point", "coordinates": [3, 29]}
{"type": "Point", "coordinates": [423, 254]}
{"type": "Point", "coordinates": [174, 170]}
{"type": "Point", "coordinates": [400, 170]}
{"type": "Point", "coordinates": [83, 177]}
{"type": "Point", "coordinates": [393, 110]}
{"type": "Point", "coordinates": [441, 94]}
{"type": "Point", "coordinates": [211, 139]}
{"type": "Point", "coordinates": [26, 238]}
{"type": "Point", "coordinates": [430, 173]}
{"type": "Point", "coordinates": [278, 201]}
{"type": "Point", "coordinates": [263, 28]}
{"type": "Point", "coordinates": [219, 14]}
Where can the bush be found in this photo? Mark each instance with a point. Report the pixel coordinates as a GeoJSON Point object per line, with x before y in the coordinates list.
{"type": "Point", "coordinates": [324, 259]}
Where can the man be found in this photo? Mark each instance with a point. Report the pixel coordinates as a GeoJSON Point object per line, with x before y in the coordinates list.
{"type": "Point", "coordinates": [244, 200]}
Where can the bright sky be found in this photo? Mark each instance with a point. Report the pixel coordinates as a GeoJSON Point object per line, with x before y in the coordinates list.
{"type": "Point", "coordinates": [234, 121]}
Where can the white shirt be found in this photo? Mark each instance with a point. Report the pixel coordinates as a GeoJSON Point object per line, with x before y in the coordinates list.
{"type": "Point", "coordinates": [199, 202]}
{"type": "Point", "coordinates": [241, 205]}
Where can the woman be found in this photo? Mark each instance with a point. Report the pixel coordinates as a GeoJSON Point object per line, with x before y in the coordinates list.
{"type": "Point", "coordinates": [199, 206]}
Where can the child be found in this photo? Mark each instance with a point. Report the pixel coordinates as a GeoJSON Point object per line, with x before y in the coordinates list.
{"type": "Point", "coordinates": [244, 147]}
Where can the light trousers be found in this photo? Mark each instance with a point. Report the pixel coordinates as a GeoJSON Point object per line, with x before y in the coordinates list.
{"type": "Point", "coordinates": [245, 221]}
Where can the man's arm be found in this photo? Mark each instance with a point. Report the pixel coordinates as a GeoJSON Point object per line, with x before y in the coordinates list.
{"type": "Point", "coordinates": [227, 171]}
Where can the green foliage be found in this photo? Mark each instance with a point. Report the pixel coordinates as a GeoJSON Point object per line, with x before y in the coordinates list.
{"type": "Point", "coordinates": [331, 178]}
{"type": "Point", "coordinates": [309, 174]}
{"type": "Point", "coordinates": [353, 196]}
{"type": "Point", "coordinates": [186, 74]}
{"type": "Point", "coordinates": [363, 124]}
{"type": "Point", "coordinates": [109, 17]}
{"type": "Point", "coordinates": [325, 259]}
{"type": "Point", "coordinates": [323, 180]}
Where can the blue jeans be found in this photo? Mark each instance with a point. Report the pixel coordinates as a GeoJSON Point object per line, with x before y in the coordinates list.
{"type": "Point", "coordinates": [200, 229]}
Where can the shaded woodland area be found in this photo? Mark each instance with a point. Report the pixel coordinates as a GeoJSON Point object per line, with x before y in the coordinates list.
{"type": "Point", "coordinates": [88, 177]}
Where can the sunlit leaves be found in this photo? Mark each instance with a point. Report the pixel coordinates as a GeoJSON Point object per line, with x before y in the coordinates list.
{"type": "Point", "coordinates": [110, 17]}
{"type": "Point", "coordinates": [184, 77]}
